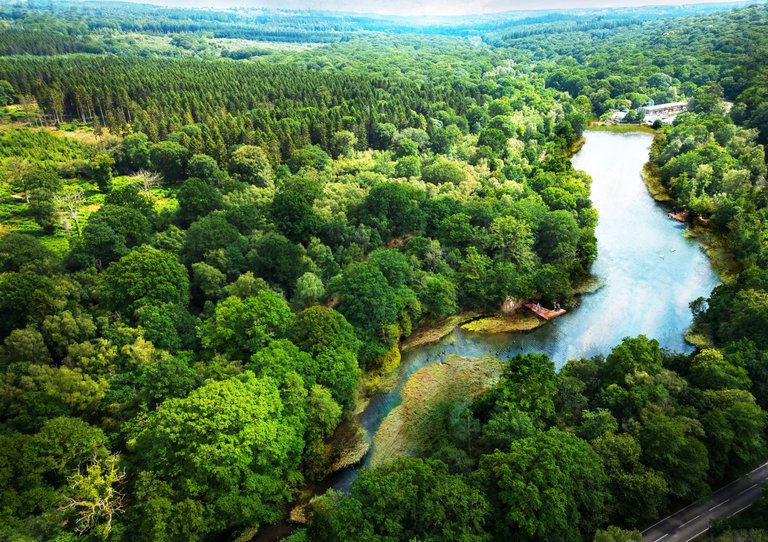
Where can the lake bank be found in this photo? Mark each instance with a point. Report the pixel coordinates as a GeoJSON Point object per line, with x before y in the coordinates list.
{"type": "Point", "coordinates": [623, 128]}
{"type": "Point", "coordinates": [714, 243]}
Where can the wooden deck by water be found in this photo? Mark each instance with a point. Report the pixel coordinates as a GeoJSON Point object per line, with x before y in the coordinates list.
{"type": "Point", "coordinates": [545, 313]}
{"type": "Point", "coordinates": [680, 216]}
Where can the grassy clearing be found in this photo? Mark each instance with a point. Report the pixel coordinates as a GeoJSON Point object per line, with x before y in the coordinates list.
{"type": "Point", "coordinates": [14, 211]}
{"type": "Point", "coordinates": [14, 216]}
{"type": "Point", "coordinates": [15, 116]}
{"type": "Point", "coordinates": [160, 44]}
{"type": "Point", "coordinates": [429, 397]}
{"type": "Point", "coordinates": [49, 149]}
{"type": "Point", "coordinates": [236, 44]}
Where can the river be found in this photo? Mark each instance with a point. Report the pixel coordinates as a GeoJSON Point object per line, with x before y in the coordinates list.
{"type": "Point", "coordinates": [648, 270]}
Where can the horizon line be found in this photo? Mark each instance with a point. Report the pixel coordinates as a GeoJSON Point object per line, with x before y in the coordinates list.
{"type": "Point", "coordinates": [346, 9]}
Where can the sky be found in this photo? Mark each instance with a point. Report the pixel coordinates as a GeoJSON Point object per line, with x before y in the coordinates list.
{"type": "Point", "coordinates": [420, 7]}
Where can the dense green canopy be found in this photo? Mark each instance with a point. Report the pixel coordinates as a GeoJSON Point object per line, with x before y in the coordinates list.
{"type": "Point", "coordinates": [211, 249]}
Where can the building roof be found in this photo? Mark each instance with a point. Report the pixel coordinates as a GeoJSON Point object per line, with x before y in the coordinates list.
{"type": "Point", "coordinates": [659, 107]}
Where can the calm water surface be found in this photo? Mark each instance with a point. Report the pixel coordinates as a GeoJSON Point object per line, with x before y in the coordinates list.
{"type": "Point", "coordinates": [649, 272]}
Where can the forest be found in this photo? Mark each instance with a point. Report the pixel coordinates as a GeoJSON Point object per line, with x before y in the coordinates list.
{"type": "Point", "coordinates": [217, 228]}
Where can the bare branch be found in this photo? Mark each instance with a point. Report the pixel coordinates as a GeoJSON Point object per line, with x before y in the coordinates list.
{"type": "Point", "coordinates": [95, 499]}
{"type": "Point", "coordinates": [70, 202]}
{"type": "Point", "coordinates": [147, 180]}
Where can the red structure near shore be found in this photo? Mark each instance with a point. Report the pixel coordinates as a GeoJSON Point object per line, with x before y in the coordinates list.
{"type": "Point", "coordinates": [680, 216]}
{"type": "Point", "coordinates": [547, 314]}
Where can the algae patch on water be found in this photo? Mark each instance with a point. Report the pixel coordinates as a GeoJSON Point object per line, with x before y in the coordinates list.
{"type": "Point", "coordinates": [656, 188]}
{"type": "Point", "coordinates": [724, 261]}
{"type": "Point", "coordinates": [383, 373]}
{"type": "Point", "coordinates": [589, 286]}
{"type": "Point", "coordinates": [699, 340]}
{"type": "Point", "coordinates": [504, 324]}
{"type": "Point", "coordinates": [349, 445]}
{"type": "Point", "coordinates": [437, 331]}
{"type": "Point", "coordinates": [622, 128]}
{"type": "Point", "coordinates": [429, 397]}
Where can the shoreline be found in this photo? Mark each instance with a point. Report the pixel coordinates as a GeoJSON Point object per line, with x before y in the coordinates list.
{"type": "Point", "coordinates": [714, 244]}
{"type": "Point", "coordinates": [622, 128]}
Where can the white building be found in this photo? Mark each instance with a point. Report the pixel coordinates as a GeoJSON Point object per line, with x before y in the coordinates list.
{"type": "Point", "coordinates": [618, 116]}
{"type": "Point", "coordinates": [666, 113]}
